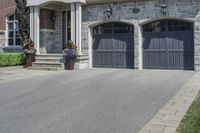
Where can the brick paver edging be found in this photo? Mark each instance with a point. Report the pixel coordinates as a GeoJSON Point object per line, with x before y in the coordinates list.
{"type": "Point", "coordinates": [169, 117]}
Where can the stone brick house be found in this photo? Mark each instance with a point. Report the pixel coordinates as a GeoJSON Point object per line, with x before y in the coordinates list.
{"type": "Point", "coordinates": [8, 24]}
{"type": "Point", "coordinates": [140, 34]}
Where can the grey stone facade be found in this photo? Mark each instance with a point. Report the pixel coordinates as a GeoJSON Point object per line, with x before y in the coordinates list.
{"type": "Point", "coordinates": [93, 14]}
{"type": "Point", "coordinates": [2, 40]}
{"type": "Point", "coordinates": [52, 39]}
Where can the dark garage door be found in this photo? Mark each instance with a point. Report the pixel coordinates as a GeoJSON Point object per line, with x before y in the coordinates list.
{"type": "Point", "coordinates": [113, 45]}
{"type": "Point", "coordinates": [168, 44]}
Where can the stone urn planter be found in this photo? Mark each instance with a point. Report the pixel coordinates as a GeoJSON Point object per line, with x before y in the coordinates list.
{"type": "Point", "coordinates": [69, 54]}
{"type": "Point", "coordinates": [30, 57]}
{"type": "Point", "coordinates": [29, 51]}
{"type": "Point", "coordinates": [69, 65]}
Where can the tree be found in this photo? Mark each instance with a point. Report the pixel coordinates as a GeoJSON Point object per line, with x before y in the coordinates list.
{"type": "Point", "coordinates": [22, 15]}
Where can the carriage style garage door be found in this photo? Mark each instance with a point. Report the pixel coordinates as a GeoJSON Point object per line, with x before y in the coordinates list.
{"type": "Point", "coordinates": [168, 44]}
{"type": "Point", "coordinates": [113, 45]}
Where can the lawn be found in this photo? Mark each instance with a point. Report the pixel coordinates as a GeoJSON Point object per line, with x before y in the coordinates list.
{"type": "Point", "coordinates": [191, 121]}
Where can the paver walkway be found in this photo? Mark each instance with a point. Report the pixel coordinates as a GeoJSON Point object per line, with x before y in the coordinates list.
{"type": "Point", "coordinates": [169, 117]}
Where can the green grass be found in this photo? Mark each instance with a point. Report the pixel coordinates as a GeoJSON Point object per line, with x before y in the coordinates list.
{"type": "Point", "coordinates": [11, 59]}
{"type": "Point", "coordinates": [191, 121]}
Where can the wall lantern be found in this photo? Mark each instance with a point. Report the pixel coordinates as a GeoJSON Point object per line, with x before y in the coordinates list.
{"type": "Point", "coordinates": [109, 11]}
{"type": "Point", "coordinates": [164, 8]}
{"type": "Point", "coordinates": [53, 16]}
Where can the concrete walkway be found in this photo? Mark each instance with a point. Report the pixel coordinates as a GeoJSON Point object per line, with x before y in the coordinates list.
{"type": "Point", "coordinates": [169, 117]}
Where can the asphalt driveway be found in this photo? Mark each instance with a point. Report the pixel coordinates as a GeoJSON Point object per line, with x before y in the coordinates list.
{"type": "Point", "coordinates": [88, 101]}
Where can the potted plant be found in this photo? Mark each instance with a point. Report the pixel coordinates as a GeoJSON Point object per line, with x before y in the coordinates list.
{"type": "Point", "coordinates": [28, 51]}
{"type": "Point", "coordinates": [69, 54]}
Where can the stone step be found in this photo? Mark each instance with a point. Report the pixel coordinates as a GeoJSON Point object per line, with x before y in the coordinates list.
{"type": "Point", "coordinates": [44, 68]}
{"type": "Point", "coordinates": [56, 58]}
{"type": "Point", "coordinates": [47, 64]}
{"type": "Point", "coordinates": [54, 62]}
{"type": "Point", "coordinates": [49, 60]}
{"type": "Point", "coordinates": [82, 57]}
{"type": "Point", "coordinates": [47, 57]}
{"type": "Point", "coordinates": [50, 55]}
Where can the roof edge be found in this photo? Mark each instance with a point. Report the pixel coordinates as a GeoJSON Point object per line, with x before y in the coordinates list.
{"type": "Point", "coordinates": [40, 2]}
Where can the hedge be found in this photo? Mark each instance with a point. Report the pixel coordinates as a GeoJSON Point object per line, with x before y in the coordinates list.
{"type": "Point", "coordinates": [11, 59]}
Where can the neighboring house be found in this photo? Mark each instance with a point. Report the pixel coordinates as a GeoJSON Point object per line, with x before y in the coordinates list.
{"type": "Point", "coordinates": [8, 25]}
{"type": "Point", "coordinates": [141, 34]}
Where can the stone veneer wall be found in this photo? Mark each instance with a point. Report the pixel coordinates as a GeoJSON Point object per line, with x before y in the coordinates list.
{"type": "Point", "coordinates": [52, 39]}
{"type": "Point", "coordinates": [2, 40]}
{"type": "Point", "coordinates": [149, 10]}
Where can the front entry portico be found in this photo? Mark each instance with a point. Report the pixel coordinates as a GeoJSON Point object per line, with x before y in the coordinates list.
{"type": "Point", "coordinates": [52, 24]}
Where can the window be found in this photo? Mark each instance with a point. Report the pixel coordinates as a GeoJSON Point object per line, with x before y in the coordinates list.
{"type": "Point", "coordinates": [13, 31]}
{"type": "Point", "coordinates": [113, 28]}
{"type": "Point", "coordinates": [167, 25]}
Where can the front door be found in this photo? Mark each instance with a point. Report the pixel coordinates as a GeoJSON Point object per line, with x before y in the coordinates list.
{"type": "Point", "coordinates": [66, 27]}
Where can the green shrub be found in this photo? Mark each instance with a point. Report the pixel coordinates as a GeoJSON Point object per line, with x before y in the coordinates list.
{"type": "Point", "coordinates": [11, 59]}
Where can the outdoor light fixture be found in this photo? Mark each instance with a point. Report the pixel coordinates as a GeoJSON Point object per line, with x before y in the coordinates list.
{"type": "Point", "coordinates": [109, 11]}
{"type": "Point", "coordinates": [164, 7]}
{"type": "Point", "coordinates": [53, 16]}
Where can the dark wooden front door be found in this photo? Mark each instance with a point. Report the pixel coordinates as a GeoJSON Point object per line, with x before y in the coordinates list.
{"type": "Point", "coordinates": [66, 27]}
{"type": "Point", "coordinates": [113, 45]}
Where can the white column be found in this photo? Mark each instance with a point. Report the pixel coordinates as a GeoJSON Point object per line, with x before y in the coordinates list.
{"type": "Point", "coordinates": [37, 29]}
{"type": "Point", "coordinates": [78, 26]}
{"type": "Point", "coordinates": [14, 33]}
{"type": "Point", "coordinates": [35, 26]}
{"type": "Point", "coordinates": [140, 48]}
{"type": "Point", "coordinates": [6, 33]}
{"type": "Point", "coordinates": [66, 23]}
{"type": "Point", "coordinates": [73, 23]}
{"type": "Point", "coordinates": [31, 22]}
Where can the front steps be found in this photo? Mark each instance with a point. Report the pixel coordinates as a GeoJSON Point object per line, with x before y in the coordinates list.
{"type": "Point", "coordinates": [50, 62]}
{"type": "Point", "coordinates": [55, 62]}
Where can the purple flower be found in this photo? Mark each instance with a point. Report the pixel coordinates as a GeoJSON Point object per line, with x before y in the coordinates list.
{"type": "Point", "coordinates": [70, 53]}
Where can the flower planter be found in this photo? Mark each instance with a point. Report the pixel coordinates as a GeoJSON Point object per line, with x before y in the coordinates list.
{"type": "Point", "coordinates": [69, 55]}
{"type": "Point", "coordinates": [29, 59]}
{"type": "Point", "coordinates": [70, 63]}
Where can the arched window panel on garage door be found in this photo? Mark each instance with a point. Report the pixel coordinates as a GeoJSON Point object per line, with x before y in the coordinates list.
{"type": "Point", "coordinates": [115, 27]}
{"type": "Point", "coordinates": [168, 25]}
{"type": "Point", "coordinates": [123, 28]}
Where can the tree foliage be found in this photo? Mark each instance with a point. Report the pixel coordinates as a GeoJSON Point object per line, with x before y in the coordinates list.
{"type": "Point", "coordinates": [22, 15]}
